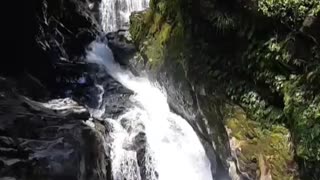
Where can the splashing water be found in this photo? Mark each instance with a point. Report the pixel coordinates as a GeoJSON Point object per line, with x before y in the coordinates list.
{"type": "Point", "coordinates": [172, 149]}
{"type": "Point", "coordinates": [115, 13]}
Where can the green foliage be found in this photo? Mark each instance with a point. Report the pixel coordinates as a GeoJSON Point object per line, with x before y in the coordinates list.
{"type": "Point", "coordinates": [274, 84]}
{"type": "Point", "coordinates": [273, 64]}
{"type": "Point", "coordinates": [222, 21]}
{"type": "Point", "coordinates": [290, 12]}
{"type": "Point", "coordinates": [260, 110]}
{"type": "Point", "coordinates": [269, 62]}
{"type": "Point", "coordinates": [302, 107]}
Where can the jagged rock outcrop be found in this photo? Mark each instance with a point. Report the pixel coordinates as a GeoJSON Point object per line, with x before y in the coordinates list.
{"type": "Point", "coordinates": [43, 134]}
{"type": "Point", "coordinates": [123, 50]}
{"type": "Point", "coordinates": [48, 140]}
{"type": "Point", "coordinates": [52, 31]}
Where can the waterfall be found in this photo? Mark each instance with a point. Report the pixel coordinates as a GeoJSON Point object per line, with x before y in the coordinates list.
{"type": "Point", "coordinates": [115, 13]}
{"type": "Point", "coordinates": [148, 141]}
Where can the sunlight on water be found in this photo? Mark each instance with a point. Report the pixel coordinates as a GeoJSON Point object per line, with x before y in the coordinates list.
{"type": "Point", "coordinates": [176, 151]}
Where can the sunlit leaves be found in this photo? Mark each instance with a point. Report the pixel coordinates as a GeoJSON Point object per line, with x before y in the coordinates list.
{"type": "Point", "coordinates": [290, 12]}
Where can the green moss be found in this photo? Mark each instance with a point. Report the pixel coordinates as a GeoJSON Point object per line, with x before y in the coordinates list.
{"type": "Point", "coordinates": [254, 141]}
{"type": "Point", "coordinates": [272, 71]}
{"type": "Point", "coordinates": [163, 38]}
{"type": "Point", "coordinates": [140, 22]}
{"type": "Point", "coordinates": [164, 34]}
{"type": "Point", "coordinates": [177, 40]}
{"type": "Point", "coordinates": [154, 52]}
{"type": "Point", "coordinates": [156, 23]}
{"type": "Point", "coordinates": [169, 8]}
{"type": "Point", "coordinates": [148, 17]}
{"type": "Point", "coordinates": [162, 6]}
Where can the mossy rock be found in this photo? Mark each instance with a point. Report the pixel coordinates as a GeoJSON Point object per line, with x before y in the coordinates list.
{"type": "Point", "coordinates": [158, 37]}
{"type": "Point", "coordinates": [260, 148]}
{"type": "Point", "coordinates": [262, 61]}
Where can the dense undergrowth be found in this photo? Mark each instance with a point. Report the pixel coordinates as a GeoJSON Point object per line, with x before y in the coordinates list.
{"type": "Point", "coordinates": [262, 55]}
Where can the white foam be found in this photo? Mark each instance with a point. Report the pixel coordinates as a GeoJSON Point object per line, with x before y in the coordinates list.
{"type": "Point", "coordinates": [176, 149]}
{"type": "Point", "coordinates": [116, 13]}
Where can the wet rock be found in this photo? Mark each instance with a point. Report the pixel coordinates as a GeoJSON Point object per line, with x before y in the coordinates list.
{"type": "Point", "coordinates": [48, 140]}
{"type": "Point", "coordinates": [123, 50]}
{"type": "Point", "coordinates": [136, 143]}
{"type": "Point", "coordinates": [52, 30]}
{"type": "Point", "coordinates": [116, 98]}
{"type": "Point", "coordinates": [147, 171]}
{"type": "Point", "coordinates": [265, 169]}
{"type": "Point", "coordinates": [42, 132]}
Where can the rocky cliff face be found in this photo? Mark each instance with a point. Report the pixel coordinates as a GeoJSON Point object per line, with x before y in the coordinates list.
{"type": "Point", "coordinates": [41, 138]}
{"type": "Point", "coordinates": [48, 140]}
{"type": "Point", "coordinates": [260, 55]}
{"type": "Point", "coordinates": [52, 32]}
{"type": "Point", "coordinates": [245, 74]}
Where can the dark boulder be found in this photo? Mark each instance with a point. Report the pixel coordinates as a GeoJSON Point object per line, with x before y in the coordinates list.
{"type": "Point", "coordinates": [311, 26]}
{"type": "Point", "coordinates": [123, 50]}
{"type": "Point", "coordinates": [48, 140]}
{"type": "Point", "coordinates": [51, 31]}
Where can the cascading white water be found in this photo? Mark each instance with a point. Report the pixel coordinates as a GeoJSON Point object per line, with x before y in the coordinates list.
{"type": "Point", "coordinates": [115, 13]}
{"type": "Point", "coordinates": [173, 150]}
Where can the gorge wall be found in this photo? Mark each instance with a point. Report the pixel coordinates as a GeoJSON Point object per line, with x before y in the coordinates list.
{"type": "Point", "coordinates": [244, 74]}
{"type": "Point", "coordinates": [249, 66]}
{"type": "Point", "coordinates": [42, 139]}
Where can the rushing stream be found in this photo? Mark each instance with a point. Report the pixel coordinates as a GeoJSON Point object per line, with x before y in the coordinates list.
{"type": "Point", "coordinates": [148, 140]}
{"type": "Point", "coordinates": [115, 13]}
